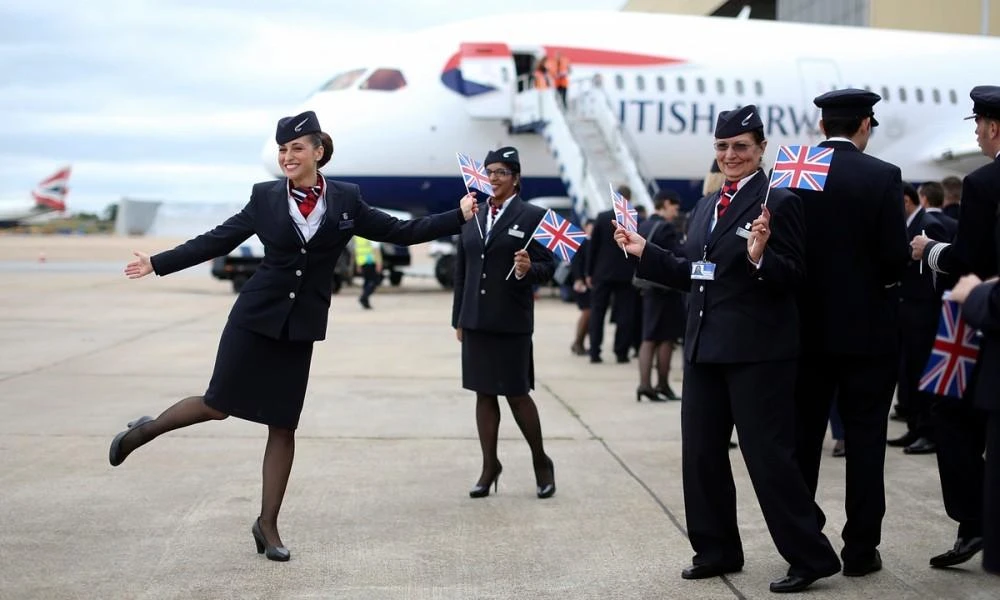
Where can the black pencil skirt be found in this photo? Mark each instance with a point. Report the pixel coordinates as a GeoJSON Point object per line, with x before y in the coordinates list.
{"type": "Point", "coordinates": [258, 378]}
{"type": "Point", "coordinates": [663, 318]}
{"type": "Point", "coordinates": [497, 364]}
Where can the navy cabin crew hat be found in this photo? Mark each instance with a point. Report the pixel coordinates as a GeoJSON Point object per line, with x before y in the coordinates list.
{"type": "Point", "coordinates": [985, 101]}
{"type": "Point", "coordinates": [848, 103]}
{"type": "Point", "coordinates": [734, 122]}
{"type": "Point", "coordinates": [506, 155]}
{"type": "Point", "coordinates": [290, 128]}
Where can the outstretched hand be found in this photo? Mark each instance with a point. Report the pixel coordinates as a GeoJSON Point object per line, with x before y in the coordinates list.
{"type": "Point", "coordinates": [469, 206]}
{"type": "Point", "coordinates": [633, 243]}
{"type": "Point", "coordinates": [140, 267]}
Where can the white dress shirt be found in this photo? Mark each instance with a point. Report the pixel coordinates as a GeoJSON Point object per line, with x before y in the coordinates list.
{"type": "Point", "coordinates": [308, 226]}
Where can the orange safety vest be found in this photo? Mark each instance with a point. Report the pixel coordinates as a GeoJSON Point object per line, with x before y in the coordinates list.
{"type": "Point", "coordinates": [562, 72]}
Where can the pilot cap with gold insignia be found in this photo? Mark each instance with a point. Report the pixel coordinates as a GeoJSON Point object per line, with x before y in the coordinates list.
{"type": "Point", "coordinates": [849, 103]}
{"type": "Point", "coordinates": [985, 102]}
{"type": "Point", "coordinates": [506, 155]}
{"type": "Point", "coordinates": [734, 122]}
{"type": "Point", "coordinates": [290, 128]}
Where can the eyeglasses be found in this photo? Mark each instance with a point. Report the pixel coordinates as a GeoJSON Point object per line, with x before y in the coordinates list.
{"type": "Point", "coordinates": [499, 172]}
{"type": "Point", "coordinates": [738, 147]}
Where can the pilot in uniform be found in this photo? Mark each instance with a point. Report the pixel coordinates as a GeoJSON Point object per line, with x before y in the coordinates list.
{"type": "Point", "coordinates": [262, 365]}
{"type": "Point", "coordinates": [741, 348]}
{"type": "Point", "coordinates": [960, 424]}
{"type": "Point", "coordinates": [609, 275]}
{"type": "Point", "coordinates": [856, 252]}
{"type": "Point", "coordinates": [493, 315]}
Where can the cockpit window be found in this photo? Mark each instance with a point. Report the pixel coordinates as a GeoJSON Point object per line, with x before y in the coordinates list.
{"type": "Point", "coordinates": [342, 81]}
{"type": "Point", "coordinates": [385, 80]}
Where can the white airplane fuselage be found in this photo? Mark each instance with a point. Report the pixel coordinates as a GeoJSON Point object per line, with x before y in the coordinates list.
{"type": "Point", "coordinates": [667, 77]}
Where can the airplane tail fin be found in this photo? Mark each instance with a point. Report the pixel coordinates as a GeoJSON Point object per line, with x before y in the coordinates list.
{"type": "Point", "coordinates": [50, 193]}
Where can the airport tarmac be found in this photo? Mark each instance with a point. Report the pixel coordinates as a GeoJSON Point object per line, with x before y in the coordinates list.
{"type": "Point", "coordinates": [377, 505]}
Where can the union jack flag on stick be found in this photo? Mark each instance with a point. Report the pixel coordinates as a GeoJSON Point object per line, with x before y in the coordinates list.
{"type": "Point", "coordinates": [474, 175]}
{"type": "Point", "coordinates": [625, 215]}
{"type": "Point", "coordinates": [801, 167]}
{"type": "Point", "coordinates": [558, 235]}
{"type": "Point", "coordinates": [956, 348]}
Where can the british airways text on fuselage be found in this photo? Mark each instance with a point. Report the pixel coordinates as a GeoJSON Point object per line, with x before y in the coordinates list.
{"type": "Point", "coordinates": [680, 116]}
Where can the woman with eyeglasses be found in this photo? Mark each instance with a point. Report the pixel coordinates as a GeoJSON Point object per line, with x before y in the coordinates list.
{"type": "Point", "coordinates": [741, 264]}
{"type": "Point", "coordinates": [493, 316]}
{"type": "Point", "coordinates": [262, 366]}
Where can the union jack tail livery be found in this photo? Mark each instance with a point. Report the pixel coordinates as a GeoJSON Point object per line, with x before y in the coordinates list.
{"type": "Point", "coordinates": [624, 213]}
{"type": "Point", "coordinates": [803, 167]}
{"type": "Point", "coordinates": [50, 193]}
{"type": "Point", "coordinates": [474, 175]}
{"type": "Point", "coordinates": [559, 235]}
{"type": "Point", "coordinates": [955, 350]}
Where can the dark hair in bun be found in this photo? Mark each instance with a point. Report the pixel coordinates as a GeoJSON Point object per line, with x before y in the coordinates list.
{"type": "Point", "coordinates": [323, 139]}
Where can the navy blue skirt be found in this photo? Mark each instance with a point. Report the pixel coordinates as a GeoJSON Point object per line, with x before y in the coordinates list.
{"type": "Point", "coordinates": [258, 378]}
{"type": "Point", "coordinates": [497, 364]}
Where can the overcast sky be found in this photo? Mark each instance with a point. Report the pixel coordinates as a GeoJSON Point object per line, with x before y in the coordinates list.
{"type": "Point", "coordinates": [172, 99]}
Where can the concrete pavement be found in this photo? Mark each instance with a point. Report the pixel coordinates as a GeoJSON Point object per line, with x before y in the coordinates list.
{"type": "Point", "coordinates": [377, 505]}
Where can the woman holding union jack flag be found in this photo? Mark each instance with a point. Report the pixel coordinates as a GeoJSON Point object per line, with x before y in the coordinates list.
{"type": "Point", "coordinates": [493, 317]}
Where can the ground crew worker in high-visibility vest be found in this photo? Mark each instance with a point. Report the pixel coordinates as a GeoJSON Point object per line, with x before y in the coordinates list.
{"type": "Point", "coordinates": [368, 258]}
{"type": "Point", "coordinates": [562, 77]}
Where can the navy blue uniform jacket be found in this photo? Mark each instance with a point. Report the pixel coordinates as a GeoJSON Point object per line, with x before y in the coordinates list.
{"type": "Point", "coordinates": [484, 299]}
{"type": "Point", "coordinates": [856, 252]}
{"type": "Point", "coordinates": [745, 315]}
{"type": "Point", "coordinates": [294, 282]}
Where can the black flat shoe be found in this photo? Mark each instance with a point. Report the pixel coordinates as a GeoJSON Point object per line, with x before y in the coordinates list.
{"type": "Point", "coordinates": [902, 441]}
{"type": "Point", "coordinates": [648, 393]}
{"type": "Point", "coordinates": [115, 456]}
{"type": "Point", "coordinates": [921, 446]}
{"type": "Point", "coordinates": [790, 584]}
{"type": "Point", "coordinates": [862, 569]}
{"type": "Point", "coordinates": [278, 553]}
{"type": "Point", "coordinates": [706, 571]}
{"type": "Point", "coordinates": [481, 491]}
{"type": "Point", "coordinates": [549, 489]}
{"type": "Point", "coordinates": [965, 548]}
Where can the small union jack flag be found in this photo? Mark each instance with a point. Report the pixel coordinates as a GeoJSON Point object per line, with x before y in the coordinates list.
{"type": "Point", "coordinates": [474, 174]}
{"type": "Point", "coordinates": [559, 235]}
{"type": "Point", "coordinates": [624, 213]}
{"type": "Point", "coordinates": [803, 167]}
{"type": "Point", "coordinates": [953, 356]}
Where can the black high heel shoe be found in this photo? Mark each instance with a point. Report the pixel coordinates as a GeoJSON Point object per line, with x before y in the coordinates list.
{"type": "Point", "coordinates": [115, 452]}
{"type": "Point", "coordinates": [481, 491]}
{"type": "Point", "coordinates": [666, 392]}
{"type": "Point", "coordinates": [649, 393]}
{"type": "Point", "coordinates": [278, 553]}
{"type": "Point", "coordinates": [549, 489]}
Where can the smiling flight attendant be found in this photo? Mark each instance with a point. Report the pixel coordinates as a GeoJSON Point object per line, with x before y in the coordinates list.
{"type": "Point", "coordinates": [493, 317]}
{"type": "Point", "coordinates": [741, 350]}
{"type": "Point", "coordinates": [262, 365]}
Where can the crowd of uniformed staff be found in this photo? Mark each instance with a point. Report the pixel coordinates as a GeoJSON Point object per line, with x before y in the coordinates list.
{"type": "Point", "coordinates": [792, 299]}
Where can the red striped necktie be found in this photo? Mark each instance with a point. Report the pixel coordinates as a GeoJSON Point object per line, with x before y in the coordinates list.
{"type": "Point", "coordinates": [728, 191]}
{"type": "Point", "coordinates": [307, 197]}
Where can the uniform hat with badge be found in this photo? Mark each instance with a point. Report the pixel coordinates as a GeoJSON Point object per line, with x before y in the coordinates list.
{"type": "Point", "coordinates": [290, 128]}
{"type": "Point", "coordinates": [731, 123]}
{"type": "Point", "coordinates": [985, 102]}
{"type": "Point", "coordinates": [506, 155]}
{"type": "Point", "coordinates": [849, 103]}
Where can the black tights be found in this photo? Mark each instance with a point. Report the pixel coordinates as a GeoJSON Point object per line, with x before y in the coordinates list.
{"type": "Point", "coordinates": [663, 352]}
{"type": "Point", "coordinates": [278, 454]}
{"type": "Point", "coordinates": [488, 423]}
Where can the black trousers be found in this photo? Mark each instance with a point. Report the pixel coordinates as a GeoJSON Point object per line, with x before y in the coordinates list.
{"type": "Point", "coordinates": [758, 399]}
{"type": "Point", "coordinates": [371, 279]}
{"type": "Point", "coordinates": [624, 315]}
{"type": "Point", "coordinates": [991, 497]}
{"type": "Point", "coordinates": [961, 439]}
{"type": "Point", "coordinates": [863, 386]}
{"type": "Point", "coordinates": [918, 321]}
